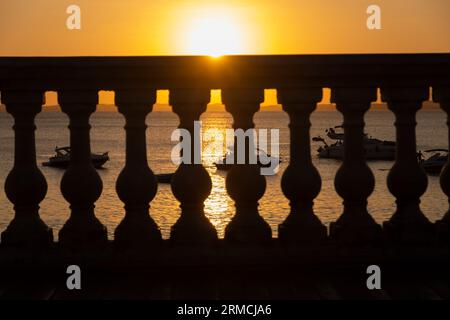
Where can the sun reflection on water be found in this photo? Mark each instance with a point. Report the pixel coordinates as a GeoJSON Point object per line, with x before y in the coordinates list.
{"type": "Point", "coordinates": [217, 205]}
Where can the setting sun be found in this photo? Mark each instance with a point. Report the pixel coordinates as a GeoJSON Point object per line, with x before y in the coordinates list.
{"type": "Point", "coordinates": [215, 35]}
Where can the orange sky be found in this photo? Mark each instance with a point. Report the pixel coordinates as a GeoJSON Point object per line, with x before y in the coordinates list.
{"type": "Point", "coordinates": [165, 27]}
{"type": "Point", "coordinates": [183, 27]}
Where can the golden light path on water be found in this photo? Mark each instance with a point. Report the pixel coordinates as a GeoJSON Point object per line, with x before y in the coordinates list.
{"type": "Point", "coordinates": [218, 203]}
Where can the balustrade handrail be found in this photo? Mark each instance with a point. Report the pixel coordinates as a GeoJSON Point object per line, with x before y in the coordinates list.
{"type": "Point", "coordinates": [271, 71]}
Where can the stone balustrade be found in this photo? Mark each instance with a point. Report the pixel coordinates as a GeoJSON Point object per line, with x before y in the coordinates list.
{"type": "Point", "coordinates": [404, 81]}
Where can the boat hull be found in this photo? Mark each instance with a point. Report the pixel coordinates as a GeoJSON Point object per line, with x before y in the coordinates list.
{"type": "Point", "coordinates": [164, 177]}
{"type": "Point", "coordinates": [227, 167]}
{"type": "Point", "coordinates": [433, 169]}
{"type": "Point", "coordinates": [63, 164]}
{"type": "Point", "coordinates": [371, 153]}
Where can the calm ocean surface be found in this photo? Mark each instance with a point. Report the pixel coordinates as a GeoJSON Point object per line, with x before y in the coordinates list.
{"type": "Point", "coordinates": [108, 135]}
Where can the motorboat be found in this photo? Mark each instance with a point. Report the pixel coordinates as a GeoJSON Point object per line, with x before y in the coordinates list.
{"type": "Point", "coordinates": [374, 149]}
{"type": "Point", "coordinates": [264, 160]}
{"type": "Point", "coordinates": [333, 134]}
{"type": "Point", "coordinates": [62, 158]}
{"type": "Point", "coordinates": [434, 163]}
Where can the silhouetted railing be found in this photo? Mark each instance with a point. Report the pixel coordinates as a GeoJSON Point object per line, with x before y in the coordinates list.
{"type": "Point", "coordinates": [404, 81]}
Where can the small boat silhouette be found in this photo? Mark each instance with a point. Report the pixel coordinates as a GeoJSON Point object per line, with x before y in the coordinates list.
{"type": "Point", "coordinates": [164, 177]}
{"type": "Point", "coordinates": [374, 149]}
{"type": "Point", "coordinates": [227, 162]}
{"type": "Point", "coordinates": [62, 158]}
{"type": "Point", "coordinates": [435, 163]}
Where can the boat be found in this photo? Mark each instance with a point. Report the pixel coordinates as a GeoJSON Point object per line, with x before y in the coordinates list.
{"type": "Point", "coordinates": [164, 177]}
{"type": "Point", "coordinates": [62, 158]}
{"type": "Point", "coordinates": [332, 134]}
{"type": "Point", "coordinates": [374, 149]}
{"type": "Point", "coordinates": [228, 161]}
{"type": "Point", "coordinates": [435, 163]}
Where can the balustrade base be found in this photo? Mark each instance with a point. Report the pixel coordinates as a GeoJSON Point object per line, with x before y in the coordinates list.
{"type": "Point", "coordinates": [226, 271]}
{"type": "Point", "coordinates": [443, 232]}
{"type": "Point", "coordinates": [300, 233]}
{"type": "Point", "coordinates": [137, 234]}
{"type": "Point", "coordinates": [27, 232]}
{"type": "Point", "coordinates": [409, 233]}
{"type": "Point", "coordinates": [80, 234]}
{"type": "Point", "coordinates": [196, 229]}
{"type": "Point", "coordinates": [359, 235]}
{"type": "Point", "coordinates": [248, 228]}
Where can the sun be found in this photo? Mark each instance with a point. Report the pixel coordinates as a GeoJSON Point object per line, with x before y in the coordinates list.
{"type": "Point", "coordinates": [215, 35]}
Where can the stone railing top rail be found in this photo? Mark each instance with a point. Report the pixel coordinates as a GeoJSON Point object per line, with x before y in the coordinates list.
{"type": "Point", "coordinates": [267, 71]}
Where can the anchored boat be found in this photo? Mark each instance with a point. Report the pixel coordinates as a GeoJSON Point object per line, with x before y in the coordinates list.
{"type": "Point", "coordinates": [62, 158]}
{"type": "Point", "coordinates": [435, 163]}
{"type": "Point", "coordinates": [264, 160]}
{"type": "Point", "coordinates": [332, 134]}
{"type": "Point", "coordinates": [374, 149]}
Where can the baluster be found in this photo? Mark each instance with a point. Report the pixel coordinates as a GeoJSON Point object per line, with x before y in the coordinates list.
{"type": "Point", "coordinates": [301, 182]}
{"type": "Point", "coordinates": [136, 185]}
{"type": "Point", "coordinates": [407, 180]}
{"type": "Point", "coordinates": [354, 181]}
{"type": "Point", "coordinates": [244, 182]}
{"type": "Point", "coordinates": [81, 185]}
{"type": "Point", "coordinates": [25, 185]}
{"type": "Point", "coordinates": [442, 95]}
{"type": "Point", "coordinates": [191, 184]}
